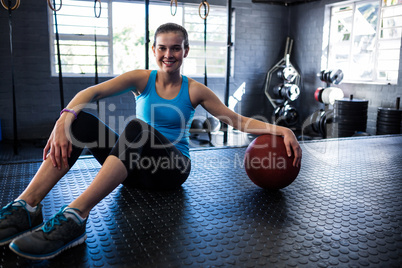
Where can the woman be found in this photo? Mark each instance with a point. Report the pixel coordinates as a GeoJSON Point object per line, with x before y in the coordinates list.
{"type": "Point", "coordinates": [165, 107]}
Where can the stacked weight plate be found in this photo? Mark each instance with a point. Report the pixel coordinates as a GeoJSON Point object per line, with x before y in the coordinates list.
{"type": "Point", "coordinates": [388, 121]}
{"type": "Point", "coordinates": [350, 116]}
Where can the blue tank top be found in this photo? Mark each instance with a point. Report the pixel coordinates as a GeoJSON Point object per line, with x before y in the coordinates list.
{"type": "Point", "coordinates": [172, 117]}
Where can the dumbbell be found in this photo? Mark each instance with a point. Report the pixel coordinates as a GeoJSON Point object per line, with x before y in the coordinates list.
{"type": "Point", "coordinates": [287, 91]}
{"type": "Point", "coordinates": [328, 95]}
{"type": "Point", "coordinates": [331, 76]}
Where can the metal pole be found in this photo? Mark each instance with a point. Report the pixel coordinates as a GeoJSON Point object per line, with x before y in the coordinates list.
{"type": "Point", "coordinates": [147, 34]}
{"type": "Point", "coordinates": [97, 16]}
{"type": "Point", "coordinates": [59, 59]}
{"type": "Point", "coordinates": [96, 61]}
{"type": "Point", "coordinates": [229, 46]}
{"type": "Point", "coordinates": [15, 128]}
{"type": "Point", "coordinates": [205, 46]}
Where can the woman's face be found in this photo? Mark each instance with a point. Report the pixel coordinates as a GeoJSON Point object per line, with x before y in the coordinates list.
{"type": "Point", "coordinates": [169, 51]}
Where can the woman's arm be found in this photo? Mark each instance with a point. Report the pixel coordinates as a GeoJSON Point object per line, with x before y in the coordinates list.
{"type": "Point", "coordinates": [206, 98]}
{"type": "Point", "coordinates": [131, 80]}
{"type": "Point", "coordinates": [59, 142]}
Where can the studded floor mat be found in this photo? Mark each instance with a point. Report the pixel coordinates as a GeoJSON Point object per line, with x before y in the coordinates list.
{"type": "Point", "coordinates": [343, 210]}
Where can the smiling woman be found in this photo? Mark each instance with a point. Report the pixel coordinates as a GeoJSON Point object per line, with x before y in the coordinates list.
{"type": "Point", "coordinates": [165, 105]}
{"type": "Point", "coordinates": [170, 47]}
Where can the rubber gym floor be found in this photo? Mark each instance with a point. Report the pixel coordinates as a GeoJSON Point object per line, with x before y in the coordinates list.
{"type": "Point", "coordinates": [343, 210]}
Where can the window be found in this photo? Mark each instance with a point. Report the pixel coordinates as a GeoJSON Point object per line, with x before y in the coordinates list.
{"type": "Point", "coordinates": [216, 41]}
{"type": "Point", "coordinates": [77, 26]}
{"type": "Point", "coordinates": [120, 33]}
{"type": "Point", "coordinates": [365, 40]}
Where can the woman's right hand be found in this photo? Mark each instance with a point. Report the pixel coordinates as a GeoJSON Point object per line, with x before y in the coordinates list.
{"type": "Point", "coordinates": [59, 143]}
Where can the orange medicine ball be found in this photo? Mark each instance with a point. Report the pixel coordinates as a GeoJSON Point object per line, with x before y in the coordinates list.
{"type": "Point", "coordinates": [267, 163]}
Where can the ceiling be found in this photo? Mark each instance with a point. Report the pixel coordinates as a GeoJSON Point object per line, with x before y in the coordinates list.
{"type": "Point", "coordinates": [284, 2]}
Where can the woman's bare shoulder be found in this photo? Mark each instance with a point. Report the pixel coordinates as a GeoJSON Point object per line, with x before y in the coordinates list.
{"type": "Point", "coordinates": [197, 91]}
{"type": "Point", "coordinates": [139, 79]}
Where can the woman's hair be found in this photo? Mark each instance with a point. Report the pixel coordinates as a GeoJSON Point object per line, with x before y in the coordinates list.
{"type": "Point", "coordinates": [172, 27]}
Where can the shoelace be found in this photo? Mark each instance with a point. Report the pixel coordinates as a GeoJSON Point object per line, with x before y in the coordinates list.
{"type": "Point", "coordinates": [57, 219]}
{"type": "Point", "coordinates": [7, 210]}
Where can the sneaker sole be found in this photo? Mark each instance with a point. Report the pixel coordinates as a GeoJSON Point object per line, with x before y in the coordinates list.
{"type": "Point", "coordinates": [24, 233]}
{"type": "Point", "coordinates": [50, 255]}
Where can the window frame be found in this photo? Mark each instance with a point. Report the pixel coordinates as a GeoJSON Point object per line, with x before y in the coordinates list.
{"type": "Point", "coordinates": [109, 39]}
{"type": "Point", "coordinates": [78, 37]}
{"type": "Point", "coordinates": [209, 45]}
{"type": "Point", "coordinates": [327, 36]}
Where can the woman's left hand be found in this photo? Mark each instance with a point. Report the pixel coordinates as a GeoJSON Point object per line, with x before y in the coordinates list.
{"type": "Point", "coordinates": [292, 144]}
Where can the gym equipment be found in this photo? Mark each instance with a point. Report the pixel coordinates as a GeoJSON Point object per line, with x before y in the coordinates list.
{"type": "Point", "coordinates": [267, 164]}
{"type": "Point", "coordinates": [61, 89]}
{"type": "Point", "coordinates": [204, 4]}
{"type": "Point", "coordinates": [147, 40]}
{"type": "Point", "coordinates": [288, 73]}
{"type": "Point", "coordinates": [206, 12]}
{"type": "Point", "coordinates": [211, 124]}
{"type": "Point", "coordinates": [284, 70]}
{"type": "Point", "coordinates": [10, 9]}
{"type": "Point", "coordinates": [228, 62]}
{"type": "Point", "coordinates": [197, 124]}
{"type": "Point", "coordinates": [328, 95]}
{"type": "Point", "coordinates": [97, 15]}
{"type": "Point", "coordinates": [318, 123]}
{"type": "Point", "coordinates": [286, 115]}
{"type": "Point", "coordinates": [331, 76]}
{"type": "Point", "coordinates": [171, 5]}
{"type": "Point", "coordinates": [53, 6]}
{"type": "Point", "coordinates": [389, 120]}
{"type": "Point", "coordinates": [286, 91]}
{"type": "Point", "coordinates": [350, 116]}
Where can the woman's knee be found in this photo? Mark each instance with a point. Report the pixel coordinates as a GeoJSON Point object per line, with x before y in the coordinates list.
{"type": "Point", "coordinates": [84, 122]}
{"type": "Point", "coordinates": [135, 125]}
{"type": "Point", "coordinates": [134, 130]}
{"type": "Point", "coordinates": [89, 131]}
{"type": "Point", "coordinates": [85, 116]}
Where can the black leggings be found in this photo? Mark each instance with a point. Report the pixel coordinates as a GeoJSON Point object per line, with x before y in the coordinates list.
{"type": "Point", "coordinates": [151, 160]}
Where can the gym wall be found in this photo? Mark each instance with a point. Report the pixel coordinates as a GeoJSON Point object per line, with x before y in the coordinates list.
{"type": "Point", "coordinates": [260, 29]}
{"type": "Point", "coordinates": [259, 40]}
{"type": "Point", "coordinates": [306, 27]}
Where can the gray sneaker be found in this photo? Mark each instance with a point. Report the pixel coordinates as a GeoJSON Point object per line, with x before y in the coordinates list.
{"type": "Point", "coordinates": [16, 220]}
{"type": "Point", "coordinates": [63, 231]}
